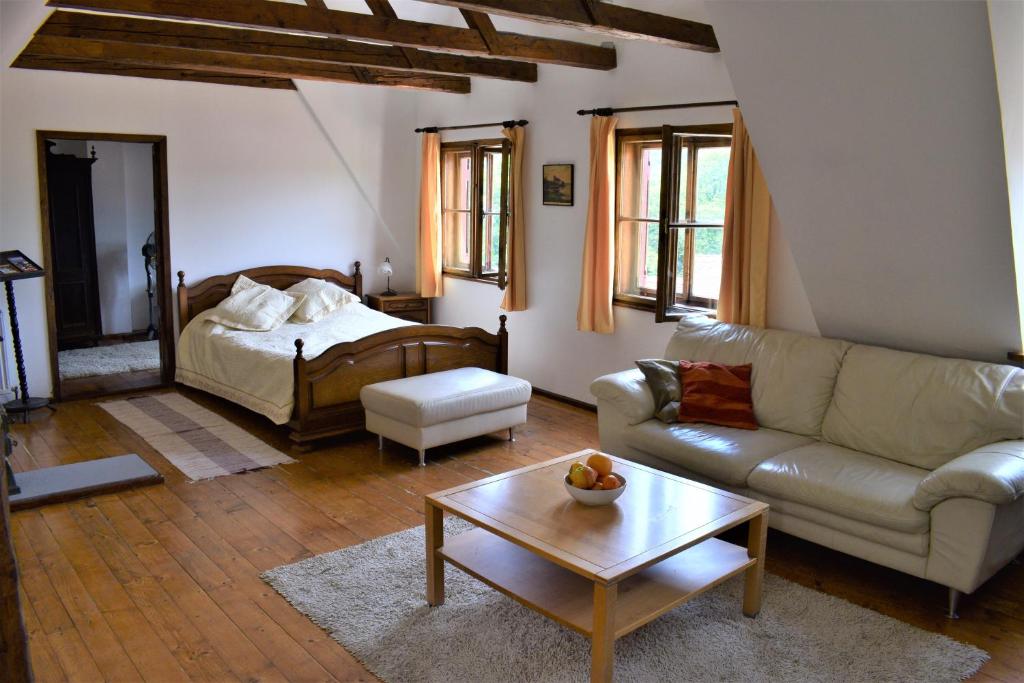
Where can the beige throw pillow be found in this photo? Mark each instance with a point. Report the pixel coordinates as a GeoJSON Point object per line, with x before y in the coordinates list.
{"type": "Point", "coordinates": [255, 307]}
{"type": "Point", "coordinates": [242, 282]}
{"type": "Point", "coordinates": [322, 298]}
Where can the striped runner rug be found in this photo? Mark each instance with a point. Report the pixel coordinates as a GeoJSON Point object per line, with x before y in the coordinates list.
{"type": "Point", "coordinates": [199, 442]}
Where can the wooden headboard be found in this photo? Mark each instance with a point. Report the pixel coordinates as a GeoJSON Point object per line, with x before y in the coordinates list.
{"type": "Point", "coordinates": [209, 292]}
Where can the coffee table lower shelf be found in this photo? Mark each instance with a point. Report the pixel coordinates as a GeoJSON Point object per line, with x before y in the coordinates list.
{"type": "Point", "coordinates": [568, 598]}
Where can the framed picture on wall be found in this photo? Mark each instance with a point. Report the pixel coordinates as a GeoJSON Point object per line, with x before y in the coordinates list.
{"type": "Point", "coordinates": [558, 182]}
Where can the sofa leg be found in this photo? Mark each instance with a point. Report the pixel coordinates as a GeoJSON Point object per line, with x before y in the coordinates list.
{"type": "Point", "coordinates": [511, 434]}
{"type": "Point", "coordinates": [423, 457]}
{"type": "Point", "coordinates": [380, 442]}
{"type": "Point", "coordinates": [954, 602]}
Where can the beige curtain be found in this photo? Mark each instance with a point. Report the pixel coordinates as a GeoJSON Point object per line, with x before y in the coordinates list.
{"type": "Point", "coordinates": [428, 270]}
{"type": "Point", "coordinates": [595, 308]}
{"type": "Point", "coordinates": [743, 297]}
{"type": "Point", "coordinates": [515, 266]}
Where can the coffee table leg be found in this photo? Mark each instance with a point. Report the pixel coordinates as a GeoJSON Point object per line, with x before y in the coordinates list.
{"type": "Point", "coordinates": [602, 643]}
{"type": "Point", "coordinates": [757, 538]}
{"type": "Point", "coordinates": [435, 564]}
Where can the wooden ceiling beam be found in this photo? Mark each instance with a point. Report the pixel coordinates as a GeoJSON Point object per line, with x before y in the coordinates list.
{"type": "Point", "coordinates": [482, 24]}
{"type": "Point", "coordinates": [247, 41]}
{"type": "Point", "coordinates": [27, 60]}
{"type": "Point", "coordinates": [383, 8]}
{"type": "Point", "coordinates": [601, 17]}
{"type": "Point", "coordinates": [250, 65]}
{"type": "Point", "coordinates": [284, 16]}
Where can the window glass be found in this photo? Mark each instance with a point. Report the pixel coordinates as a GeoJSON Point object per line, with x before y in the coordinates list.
{"type": "Point", "coordinates": [456, 242]}
{"type": "Point", "coordinates": [491, 197]}
{"type": "Point", "coordinates": [684, 184]}
{"type": "Point", "coordinates": [699, 174]}
{"type": "Point", "coordinates": [712, 175]}
{"type": "Point", "coordinates": [707, 263]}
{"type": "Point", "coordinates": [639, 204]}
{"type": "Point", "coordinates": [471, 207]}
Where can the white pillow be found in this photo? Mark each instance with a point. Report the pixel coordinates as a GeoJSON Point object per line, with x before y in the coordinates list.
{"type": "Point", "coordinates": [256, 307]}
{"type": "Point", "coordinates": [242, 282]}
{"type": "Point", "coordinates": [322, 298]}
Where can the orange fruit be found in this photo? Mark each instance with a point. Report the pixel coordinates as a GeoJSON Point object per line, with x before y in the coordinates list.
{"type": "Point", "coordinates": [581, 476]}
{"type": "Point", "coordinates": [602, 464]}
{"type": "Point", "coordinates": [611, 482]}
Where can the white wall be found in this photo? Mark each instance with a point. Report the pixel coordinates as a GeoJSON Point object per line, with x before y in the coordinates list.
{"type": "Point", "coordinates": [1006, 18]}
{"type": "Point", "coordinates": [545, 346]}
{"type": "Point", "coordinates": [109, 220]}
{"type": "Point", "coordinates": [252, 178]}
{"type": "Point", "coordinates": [877, 125]}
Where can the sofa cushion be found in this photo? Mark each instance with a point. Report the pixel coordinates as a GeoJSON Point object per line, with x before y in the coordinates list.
{"type": "Point", "coordinates": [845, 482]}
{"type": "Point", "coordinates": [922, 410]}
{"type": "Point", "coordinates": [793, 374]}
{"type": "Point", "coordinates": [438, 397]}
{"type": "Point", "coordinates": [723, 454]}
{"type": "Point", "coordinates": [716, 394]}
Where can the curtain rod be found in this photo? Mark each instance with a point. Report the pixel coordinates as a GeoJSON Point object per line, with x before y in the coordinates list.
{"type": "Point", "coordinates": [504, 124]}
{"type": "Point", "coordinates": [608, 111]}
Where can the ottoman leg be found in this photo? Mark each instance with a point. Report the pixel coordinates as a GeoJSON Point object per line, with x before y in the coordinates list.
{"type": "Point", "coordinates": [423, 457]}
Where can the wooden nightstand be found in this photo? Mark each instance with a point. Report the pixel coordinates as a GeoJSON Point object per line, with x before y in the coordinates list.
{"type": "Point", "coordinates": [406, 306]}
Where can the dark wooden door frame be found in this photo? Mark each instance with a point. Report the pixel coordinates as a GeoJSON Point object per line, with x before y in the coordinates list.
{"type": "Point", "coordinates": [161, 233]}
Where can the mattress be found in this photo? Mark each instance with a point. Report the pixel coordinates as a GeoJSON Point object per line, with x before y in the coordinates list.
{"type": "Point", "coordinates": [254, 369]}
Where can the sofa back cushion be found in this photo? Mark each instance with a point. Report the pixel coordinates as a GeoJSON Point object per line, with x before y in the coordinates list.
{"type": "Point", "coordinates": [922, 410]}
{"type": "Point", "coordinates": [793, 374]}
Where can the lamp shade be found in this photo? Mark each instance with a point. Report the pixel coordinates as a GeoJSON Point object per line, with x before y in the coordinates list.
{"type": "Point", "coordinates": [385, 268]}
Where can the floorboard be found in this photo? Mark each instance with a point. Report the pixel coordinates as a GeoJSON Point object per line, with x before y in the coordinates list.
{"type": "Point", "coordinates": [162, 582]}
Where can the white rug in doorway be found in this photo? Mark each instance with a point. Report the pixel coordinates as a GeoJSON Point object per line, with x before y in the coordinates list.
{"type": "Point", "coordinates": [109, 360]}
{"type": "Point", "coordinates": [370, 598]}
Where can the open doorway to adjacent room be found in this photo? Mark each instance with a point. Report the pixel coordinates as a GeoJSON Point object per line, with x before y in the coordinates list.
{"type": "Point", "coordinates": [105, 232]}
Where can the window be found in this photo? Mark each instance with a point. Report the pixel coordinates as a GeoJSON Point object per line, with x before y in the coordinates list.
{"type": "Point", "coordinates": [670, 209]}
{"type": "Point", "coordinates": [474, 209]}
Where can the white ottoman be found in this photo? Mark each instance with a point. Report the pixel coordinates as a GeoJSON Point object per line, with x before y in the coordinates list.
{"type": "Point", "coordinates": [442, 407]}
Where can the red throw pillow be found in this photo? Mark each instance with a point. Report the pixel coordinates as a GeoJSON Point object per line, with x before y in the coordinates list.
{"type": "Point", "coordinates": [716, 394]}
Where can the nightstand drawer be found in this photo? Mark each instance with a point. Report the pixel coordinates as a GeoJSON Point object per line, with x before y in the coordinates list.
{"type": "Point", "coordinates": [420, 305]}
{"type": "Point", "coordinates": [406, 306]}
{"type": "Point", "coordinates": [420, 316]}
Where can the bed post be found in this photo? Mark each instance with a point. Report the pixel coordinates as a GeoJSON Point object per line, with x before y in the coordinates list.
{"type": "Point", "coordinates": [502, 345]}
{"type": "Point", "coordinates": [358, 277]}
{"type": "Point", "coordinates": [301, 395]}
{"type": "Point", "coordinates": [302, 408]}
{"type": "Point", "coordinates": [182, 301]}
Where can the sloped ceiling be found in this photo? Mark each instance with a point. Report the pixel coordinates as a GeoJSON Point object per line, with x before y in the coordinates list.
{"type": "Point", "coordinates": [878, 129]}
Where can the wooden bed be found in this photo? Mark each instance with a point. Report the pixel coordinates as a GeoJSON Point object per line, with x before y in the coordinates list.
{"type": "Point", "coordinates": [327, 387]}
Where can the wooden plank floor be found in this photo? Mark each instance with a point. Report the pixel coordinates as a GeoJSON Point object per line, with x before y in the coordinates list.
{"type": "Point", "coordinates": [162, 583]}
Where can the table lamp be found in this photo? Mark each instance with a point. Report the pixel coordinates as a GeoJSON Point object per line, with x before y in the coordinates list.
{"type": "Point", "coordinates": [386, 269]}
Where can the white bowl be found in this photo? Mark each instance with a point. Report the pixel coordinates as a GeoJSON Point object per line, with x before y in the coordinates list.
{"type": "Point", "coordinates": [588, 497]}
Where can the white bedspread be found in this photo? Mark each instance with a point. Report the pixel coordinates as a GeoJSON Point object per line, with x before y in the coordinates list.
{"type": "Point", "coordinates": [254, 369]}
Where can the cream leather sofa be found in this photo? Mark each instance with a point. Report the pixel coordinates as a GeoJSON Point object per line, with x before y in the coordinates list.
{"type": "Point", "coordinates": [911, 461]}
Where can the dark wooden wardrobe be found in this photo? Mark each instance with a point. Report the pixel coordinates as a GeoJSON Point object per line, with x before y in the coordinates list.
{"type": "Point", "coordinates": [73, 246]}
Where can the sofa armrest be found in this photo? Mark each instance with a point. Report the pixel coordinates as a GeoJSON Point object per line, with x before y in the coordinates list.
{"type": "Point", "coordinates": [992, 473]}
{"type": "Point", "coordinates": [628, 392]}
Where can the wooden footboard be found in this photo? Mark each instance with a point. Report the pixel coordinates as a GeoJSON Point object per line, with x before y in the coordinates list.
{"type": "Point", "coordinates": [327, 387]}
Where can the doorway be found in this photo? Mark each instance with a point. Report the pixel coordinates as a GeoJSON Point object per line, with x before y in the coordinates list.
{"type": "Point", "coordinates": [107, 253]}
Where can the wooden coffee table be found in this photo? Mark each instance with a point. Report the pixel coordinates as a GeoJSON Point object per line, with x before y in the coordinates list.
{"type": "Point", "coordinates": [602, 571]}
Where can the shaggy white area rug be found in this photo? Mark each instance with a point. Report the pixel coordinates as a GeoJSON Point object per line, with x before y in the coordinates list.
{"type": "Point", "coordinates": [109, 360]}
{"type": "Point", "coordinates": [370, 598]}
